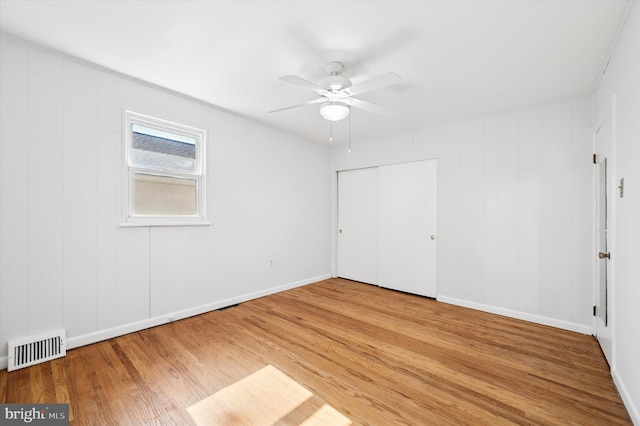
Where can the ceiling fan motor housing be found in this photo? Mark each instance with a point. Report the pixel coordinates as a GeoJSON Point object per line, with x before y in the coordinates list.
{"type": "Point", "coordinates": [334, 83]}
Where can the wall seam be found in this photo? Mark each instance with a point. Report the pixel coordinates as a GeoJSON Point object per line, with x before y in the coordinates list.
{"type": "Point", "coordinates": [28, 206]}
{"type": "Point", "coordinates": [64, 190]}
{"type": "Point", "coordinates": [572, 214]}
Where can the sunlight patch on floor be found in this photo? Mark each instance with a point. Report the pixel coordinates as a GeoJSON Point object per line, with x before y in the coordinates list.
{"type": "Point", "coordinates": [266, 397]}
{"type": "Point", "coordinates": [326, 415]}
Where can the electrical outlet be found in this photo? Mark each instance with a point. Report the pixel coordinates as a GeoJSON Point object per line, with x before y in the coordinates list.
{"type": "Point", "coordinates": [270, 263]}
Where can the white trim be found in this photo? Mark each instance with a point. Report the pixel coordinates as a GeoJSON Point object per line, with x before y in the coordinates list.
{"type": "Point", "coordinates": [165, 223]}
{"type": "Point", "coordinates": [609, 110]}
{"type": "Point", "coordinates": [98, 336]}
{"type": "Point", "coordinates": [128, 218]}
{"type": "Point", "coordinates": [612, 227]}
{"type": "Point", "coordinates": [121, 330]}
{"type": "Point", "coordinates": [594, 214]}
{"type": "Point", "coordinates": [629, 403]}
{"type": "Point", "coordinates": [538, 319]}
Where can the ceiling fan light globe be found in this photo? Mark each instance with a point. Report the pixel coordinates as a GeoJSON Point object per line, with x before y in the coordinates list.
{"type": "Point", "coordinates": [334, 111]}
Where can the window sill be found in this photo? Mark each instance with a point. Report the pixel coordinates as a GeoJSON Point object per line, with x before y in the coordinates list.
{"type": "Point", "coordinates": [162, 223]}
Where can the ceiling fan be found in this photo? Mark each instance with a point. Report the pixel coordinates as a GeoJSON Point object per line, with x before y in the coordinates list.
{"type": "Point", "coordinates": [337, 92]}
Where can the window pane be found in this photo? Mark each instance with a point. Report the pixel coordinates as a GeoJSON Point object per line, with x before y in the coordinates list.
{"type": "Point", "coordinates": [163, 195]}
{"type": "Point", "coordinates": [162, 150]}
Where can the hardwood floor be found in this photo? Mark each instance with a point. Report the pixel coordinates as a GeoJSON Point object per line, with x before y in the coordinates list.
{"type": "Point", "coordinates": [335, 352]}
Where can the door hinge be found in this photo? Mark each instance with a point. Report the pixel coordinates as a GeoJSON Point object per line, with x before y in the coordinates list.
{"type": "Point", "coordinates": [594, 310]}
{"type": "Point", "coordinates": [595, 158]}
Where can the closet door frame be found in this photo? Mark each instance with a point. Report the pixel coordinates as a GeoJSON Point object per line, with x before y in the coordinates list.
{"type": "Point", "coordinates": [373, 262]}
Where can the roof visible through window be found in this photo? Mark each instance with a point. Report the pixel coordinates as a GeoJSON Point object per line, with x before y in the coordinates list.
{"type": "Point", "coordinates": [162, 145]}
{"type": "Point", "coordinates": [162, 153]}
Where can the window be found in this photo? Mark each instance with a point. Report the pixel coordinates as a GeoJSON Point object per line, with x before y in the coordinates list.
{"type": "Point", "coordinates": [165, 172]}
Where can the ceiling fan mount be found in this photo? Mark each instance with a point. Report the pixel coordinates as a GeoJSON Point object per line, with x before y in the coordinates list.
{"type": "Point", "coordinates": [335, 82]}
{"type": "Point", "coordinates": [334, 68]}
{"type": "Point", "coordinates": [337, 92]}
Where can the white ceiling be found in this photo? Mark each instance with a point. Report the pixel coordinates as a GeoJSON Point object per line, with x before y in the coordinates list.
{"type": "Point", "coordinates": [457, 58]}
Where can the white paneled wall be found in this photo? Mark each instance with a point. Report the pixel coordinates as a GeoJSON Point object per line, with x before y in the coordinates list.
{"type": "Point", "coordinates": [14, 200]}
{"type": "Point", "coordinates": [515, 208]}
{"type": "Point", "coordinates": [489, 211]}
{"type": "Point", "coordinates": [45, 189]}
{"type": "Point", "coordinates": [449, 212]}
{"type": "Point", "coordinates": [64, 260]}
{"type": "Point", "coordinates": [529, 213]}
{"type": "Point", "coordinates": [470, 221]}
{"type": "Point", "coordinates": [506, 285]}
{"type": "Point", "coordinates": [582, 197]}
{"type": "Point", "coordinates": [556, 209]}
{"type": "Point", "coordinates": [79, 230]}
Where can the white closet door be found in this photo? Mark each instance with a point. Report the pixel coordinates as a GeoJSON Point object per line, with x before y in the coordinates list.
{"type": "Point", "coordinates": [358, 225]}
{"type": "Point", "coordinates": [408, 227]}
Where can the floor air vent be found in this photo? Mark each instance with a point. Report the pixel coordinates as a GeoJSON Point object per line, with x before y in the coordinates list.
{"type": "Point", "coordinates": [34, 350]}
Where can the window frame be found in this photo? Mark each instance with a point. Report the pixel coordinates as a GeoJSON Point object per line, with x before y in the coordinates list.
{"type": "Point", "coordinates": [129, 218]}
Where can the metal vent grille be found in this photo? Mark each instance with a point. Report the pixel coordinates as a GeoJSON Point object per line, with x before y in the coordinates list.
{"type": "Point", "coordinates": [37, 349]}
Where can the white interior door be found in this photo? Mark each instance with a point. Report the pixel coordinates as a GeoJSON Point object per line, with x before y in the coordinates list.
{"type": "Point", "coordinates": [407, 245]}
{"type": "Point", "coordinates": [358, 225]}
{"type": "Point", "coordinates": [604, 204]}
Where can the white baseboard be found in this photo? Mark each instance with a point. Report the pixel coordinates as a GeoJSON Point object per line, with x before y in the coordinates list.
{"type": "Point", "coordinates": [629, 403]}
{"type": "Point", "coordinates": [538, 319]}
{"type": "Point", "coordinates": [98, 336]}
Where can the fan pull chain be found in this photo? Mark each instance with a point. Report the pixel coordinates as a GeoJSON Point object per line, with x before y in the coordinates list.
{"type": "Point", "coordinates": [349, 150]}
{"type": "Point", "coordinates": [330, 131]}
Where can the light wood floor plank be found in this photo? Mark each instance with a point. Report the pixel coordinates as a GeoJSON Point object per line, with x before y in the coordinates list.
{"type": "Point", "coordinates": [334, 352]}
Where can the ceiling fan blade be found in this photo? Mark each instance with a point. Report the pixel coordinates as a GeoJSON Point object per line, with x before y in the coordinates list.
{"type": "Point", "coordinates": [299, 81]}
{"type": "Point", "coordinates": [311, 102]}
{"type": "Point", "coordinates": [374, 83]}
{"type": "Point", "coordinates": [371, 107]}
